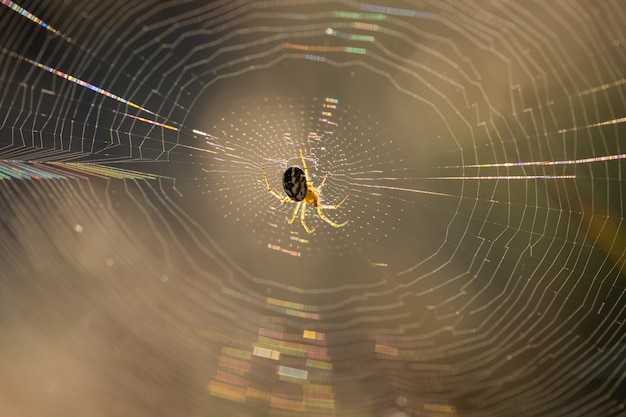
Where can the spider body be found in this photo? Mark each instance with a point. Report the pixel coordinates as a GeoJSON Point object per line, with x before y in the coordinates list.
{"type": "Point", "coordinates": [300, 190]}
{"type": "Point", "coordinates": [295, 184]}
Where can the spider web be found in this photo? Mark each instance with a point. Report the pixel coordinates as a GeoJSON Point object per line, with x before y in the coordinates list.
{"type": "Point", "coordinates": [146, 269]}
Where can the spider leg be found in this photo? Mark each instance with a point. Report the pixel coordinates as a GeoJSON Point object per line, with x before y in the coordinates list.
{"type": "Point", "coordinates": [327, 220]}
{"type": "Point", "coordinates": [274, 193]}
{"type": "Point", "coordinates": [304, 167]}
{"type": "Point", "coordinates": [302, 214]}
{"type": "Point", "coordinates": [295, 212]}
{"type": "Point", "coordinates": [319, 187]}
{"type": "Point", "coordinates": [331, 207]}
{"type": "Point", "coordinates": [335, 206]}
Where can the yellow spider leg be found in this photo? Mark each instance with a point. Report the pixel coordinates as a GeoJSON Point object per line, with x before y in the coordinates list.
{"type": "Point", "coordinates": [302, 214]}
{"type": "Point", "coordinates": [319, 187]}
{"type": "Point", "coordinates": [304, 167]}
{"type": "Point", "coordinates": [274, 193]}
{"type": "Point", "coordinates": [295, 212]}
{"type": "Point", "coordinates": [327, 220]}
{"type": "Point", "coordinates": [332, 207]}
{"type": "Point", "coordinates": [336, 206]}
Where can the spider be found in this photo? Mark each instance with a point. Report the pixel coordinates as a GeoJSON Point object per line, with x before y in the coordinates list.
{"type": "Point", "coordinates": [299, 188]}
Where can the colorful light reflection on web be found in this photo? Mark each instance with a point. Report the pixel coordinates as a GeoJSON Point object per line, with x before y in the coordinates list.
{"type": "Point", "coordinates": [33, 18]}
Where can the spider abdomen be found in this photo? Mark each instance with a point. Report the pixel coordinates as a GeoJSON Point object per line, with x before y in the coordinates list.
{"type": "Point", "coordinates": [294, 182]}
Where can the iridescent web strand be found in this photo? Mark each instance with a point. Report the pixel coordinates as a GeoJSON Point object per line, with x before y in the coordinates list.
{"type": "Point", "coordinates": [33, 18]}
{"type": "Point", "coordinates": [550, 163]}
